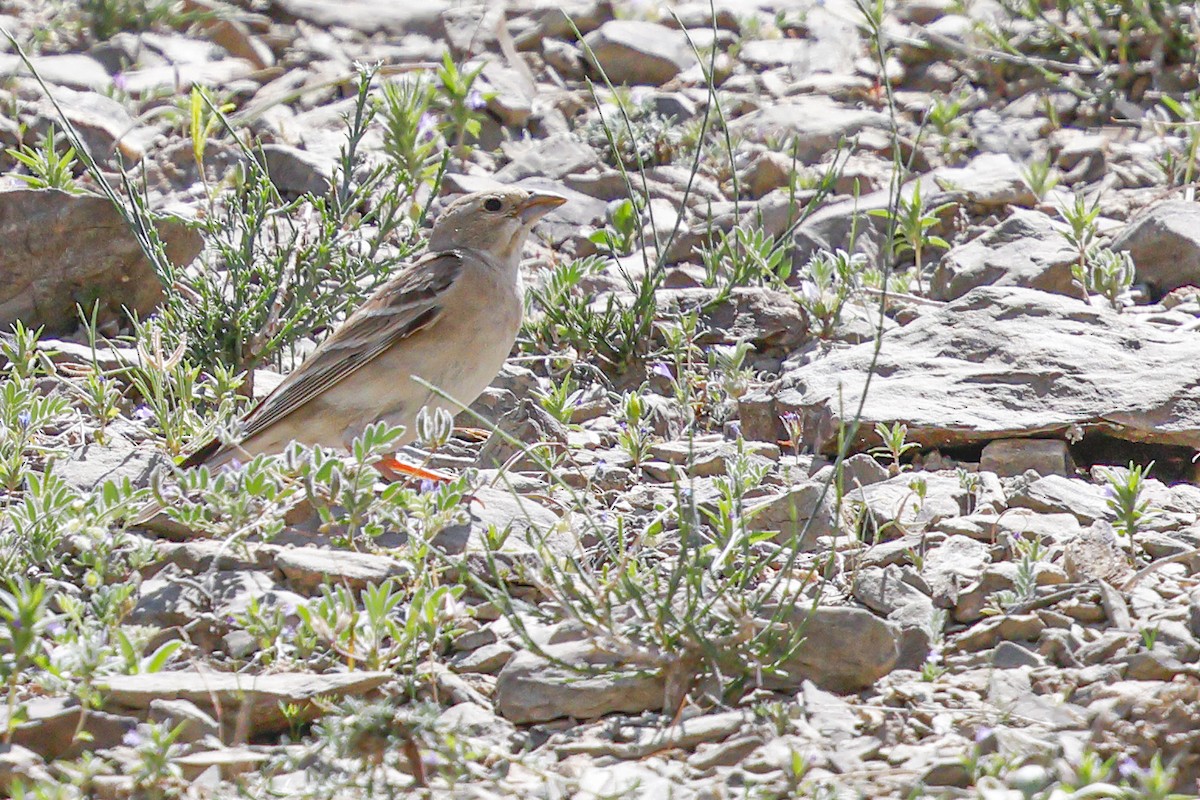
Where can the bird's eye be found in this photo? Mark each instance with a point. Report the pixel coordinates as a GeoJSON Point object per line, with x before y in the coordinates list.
{"type": "Point", "coordinates": [492, 204]}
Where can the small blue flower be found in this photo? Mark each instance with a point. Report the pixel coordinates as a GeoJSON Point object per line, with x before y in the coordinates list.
{"type": "Point", "coordinates": [427, 486]}
{"type": "Point", "coordinates": [131, 738]}
{"type": "Point", "coordinates": [474, 100]}
{"type": "Point", "coordinates": [1127, 768]}
{"type": "Point", "coordinates": [426, 127]}
{"type": "Point", "coordinates": [142, 413]}
{"type": "Point", "coordinates": [662, 370]}
{"type": "Point", "coordinates": [24, 419]}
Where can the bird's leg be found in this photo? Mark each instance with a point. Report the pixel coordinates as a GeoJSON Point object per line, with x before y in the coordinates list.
{"type": "Point", "coordinates": [395, 469]}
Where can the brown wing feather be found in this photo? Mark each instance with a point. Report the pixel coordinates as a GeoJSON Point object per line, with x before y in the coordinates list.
{"type": "Point", "coordinates": [404, 305]}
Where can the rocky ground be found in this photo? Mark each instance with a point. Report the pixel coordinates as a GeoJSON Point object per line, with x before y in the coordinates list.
{"type": "Point", "coordinates": [847, 449]}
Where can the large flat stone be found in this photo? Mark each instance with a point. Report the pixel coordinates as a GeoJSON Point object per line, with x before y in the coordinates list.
{"type": "Point", "coordinates": [1000, 363]}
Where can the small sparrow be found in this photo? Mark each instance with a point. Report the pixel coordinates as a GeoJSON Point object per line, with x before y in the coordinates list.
{"type": "Point", "coordinates": [449, 318]}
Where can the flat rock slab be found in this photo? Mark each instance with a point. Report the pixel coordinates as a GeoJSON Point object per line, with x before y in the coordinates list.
{"type": "Point", "coordinates": [1000, 363]}
{"type": "Point", "coordinates": [63, 249]}
{"type": "Point", "coordinates": [532, 689]}
{"type": "Point", "coordinates": [257, 696]}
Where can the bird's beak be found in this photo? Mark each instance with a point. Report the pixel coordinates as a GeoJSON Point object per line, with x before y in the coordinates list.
{"type": "Point", "coordinates": [537, 205]}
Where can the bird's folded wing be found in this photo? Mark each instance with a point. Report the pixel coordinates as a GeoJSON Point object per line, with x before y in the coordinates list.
{"type": "Point", "coordinates": [407, 303]}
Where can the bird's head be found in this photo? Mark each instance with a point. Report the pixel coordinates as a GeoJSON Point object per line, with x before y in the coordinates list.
{"type": "Point", "coordinates": [495, 221]}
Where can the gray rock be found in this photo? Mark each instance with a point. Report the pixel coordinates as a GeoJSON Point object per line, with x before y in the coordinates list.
{"type": "Point", "coordinates": [990, 180]}
{"type": "Point", "coordinates": [885, 590]}
{"type": "Point", "coordinates": [66, 249]}
{"type": "Point", "coordinates": [633, 51]}
{"type": "Point", "coordinates": [953, 564]}
{"type": "Point", "coordinates": [18, 763]}
{"type": "Point", "coordinates": [49, 725]}
{"type": "Point", "coordinates": [306, 568]}
{"type": "Point", "coordinates": [844, 649]}
{"type": "Point", "coordinates": [295, 171]}
{"type": "Point", "coordinates": [767, 319]}
{"type": "Point", "coordinates": [532, 689]}
{"type": "Point", "coordinates": [170, 599]}
{"type": "Point", "coordinates": [368, 16]}
{"type": "Point", "coordinates": [801, 515]}
{"type": "Point", "coordinates": [1097, 555]}
{"type": "Point", "coordinates": [1027, 249]}
{"type": "Point", "coordinates": [196, 723]}
{"type": "Point", "coordinates": [895, 506]}
{"type": "Point", "coordinates": [1165, 245]}
{"type": "Point", "coordinates": [1011, 457]}
{"type": "Point", "coordinates": [529, 524]}
{"type": "Point", "coordinates": [257, 696]}
{"type": "Point", "coordinates": [1010, 655]}
{"type": "Point", "coordinates": [556, 157]}
{"type": "Point", "coordinates": [1001, 363]}
{"type": "Point", "coordinates": [116, 459]}
{"type": "Point", "coordinates": [815, 124]}
{"type": "Point", "coordinates": [1055, 494]}
{"type": "Point", "coordinates": [73, 70]}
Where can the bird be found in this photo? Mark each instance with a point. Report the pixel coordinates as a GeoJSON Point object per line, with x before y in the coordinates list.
{"type": "Point", "coordinates": [449, 319]}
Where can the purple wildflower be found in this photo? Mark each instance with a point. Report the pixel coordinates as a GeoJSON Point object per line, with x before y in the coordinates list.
{"type": "Point", "coordinates": [427, 486]}
{"type": "Point", "coordinates": [474, 100]}
{"type": "Point", "coordinates": [143, 413]}
{"type": "Point", "coordinates": [982, 733]}
{"type": "Point", "coordinates": [426, 127]}
{"type": "Point", "coordinates": [1128, 768]}
{"type": "Point", "coordinates": [662, 370]}
{"type": "Point", "coordinates": [24, 419]}
{"type": "Point", "coordinates": [131, 738]}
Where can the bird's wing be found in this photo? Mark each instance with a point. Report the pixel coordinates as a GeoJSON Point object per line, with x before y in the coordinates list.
{"type": "Point", "coordinates": [407, 303]}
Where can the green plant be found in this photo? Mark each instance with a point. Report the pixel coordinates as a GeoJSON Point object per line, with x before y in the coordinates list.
{"type": "Point", "coordinates": [912, 223]}
{"type": "Point", "coordinates": [459, 102]}
{"type": "Point", "coordinates": [1125, 498]}
{"type": "Point", "coordinates": [827, 282]}
{"type": "Point", "coordinates": [48, 168]}
{"type": "Point", "coordinates": [288, 270]}
{"type": "Point", "coordinates": [563, 315]}
{"type": "Point", "coordinates": [744, 256]}
{"type": "Point", "coordinates": [155, 771]}
{"type": "Point", "coordinates": [1187, 111]}
{"type": "Point", "coordinates": [620, 236]}
{"type": "Point", "coordinates": [1030, 552]}
{"type": "Point", "coordinates": [28, 416]}
{"type": "Point", "coordinates": [644, 139]}
{"type": "Point", "coordinates": [24, 618]}
{"type": "Point", "coordinates": [894, 445]}
{"type": "Point", "coordinates": [1082, 230]}
{"type": "Point", "coordinates": [409, 129]}
{"type": "Point", "coordinates": [100, 20]}
{"type": "Point", "coordinates": [727, 364]}
{"type": "Point", "coordinates": [634, 436]}
{"type": "Point", "coordinates": [204, 117]}
{"type": "Point", "coordinates": [1040, 176]}
{"type": "Point", "coordinates": [793, 426]}
{"type": "Point", "coordinates": [1149, 636]}
{"type": "Point", "coordinates": [1106, 273]}
{"type": "Point", "coordinates": [384, 627]}
{"type": "Point", "coordinates": [561, 399]}
{"type": "Point", "coordinates": [175, 400]}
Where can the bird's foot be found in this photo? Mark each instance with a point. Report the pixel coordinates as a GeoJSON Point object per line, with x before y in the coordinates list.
{"type": "Point", "coordinates": [394, 469]}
